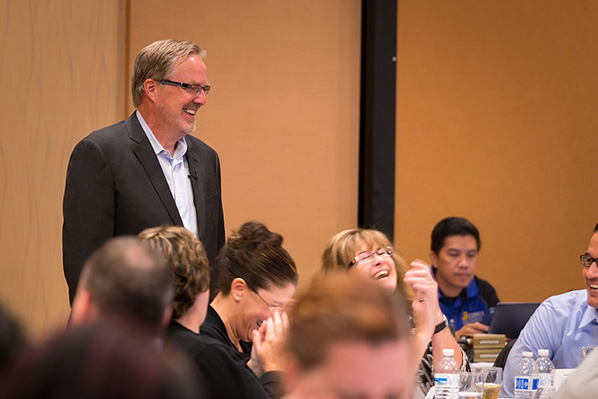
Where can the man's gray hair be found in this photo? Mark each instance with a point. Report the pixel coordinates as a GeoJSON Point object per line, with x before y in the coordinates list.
{"type": "Point", "coordinates": [156, 61]}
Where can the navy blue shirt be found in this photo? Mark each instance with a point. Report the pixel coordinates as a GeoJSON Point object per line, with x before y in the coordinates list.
{"type": "Point", "coordinates": [471, 305]}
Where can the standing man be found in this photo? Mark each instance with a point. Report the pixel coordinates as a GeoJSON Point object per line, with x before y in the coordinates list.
{"type": "Point", "coordinates": [148, 170]}
{"type": "Point", "coordinates": [464, 298]}
{"type": "Point", "coordinates": [563, 324]}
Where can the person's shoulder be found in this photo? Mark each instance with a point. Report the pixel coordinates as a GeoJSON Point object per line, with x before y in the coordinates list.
{"type": "Point", "coordinates": [199, 146]}
{"type": "Point", "coordinates": [483, 284]}
{"type": "Point", "coordinates": [568, 300]}
{"type": "Point", "coordinates": [114, 134]}
{"type": "Point", "coordinates": [191, 342]}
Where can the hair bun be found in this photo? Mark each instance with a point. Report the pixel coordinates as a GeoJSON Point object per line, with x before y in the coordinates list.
{"type": "Point", "coordinates": [253, 235]}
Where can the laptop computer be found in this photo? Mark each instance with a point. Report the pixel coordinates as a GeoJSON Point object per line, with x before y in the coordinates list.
{"type": "Point", "coordinates": [509, 318]}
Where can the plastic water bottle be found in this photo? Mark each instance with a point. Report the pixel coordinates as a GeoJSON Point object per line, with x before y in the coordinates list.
{"type": "Point", "coordinates": [546, 375]}
{"type": "Point", "coordinates": [526, 377]}
{"type": "Point", "coordinates": [446, 376]}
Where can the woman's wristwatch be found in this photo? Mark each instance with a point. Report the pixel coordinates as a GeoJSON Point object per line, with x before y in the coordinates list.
{"type": "Point", "coordinates": [442, 325]}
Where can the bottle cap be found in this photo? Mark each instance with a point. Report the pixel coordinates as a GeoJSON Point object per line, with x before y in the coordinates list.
{"type": "Point", "coordinates": [528, 354]}
{"type": "Point", "coordinates": [448, 352]}
{"type": "Point", "coordinates": [543, 352]}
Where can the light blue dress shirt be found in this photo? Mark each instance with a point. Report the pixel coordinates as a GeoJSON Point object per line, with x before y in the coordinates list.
{"type": "Point", "coordinates": [563, 324]}
{"type": "Point", "coordinates": [176, 172]}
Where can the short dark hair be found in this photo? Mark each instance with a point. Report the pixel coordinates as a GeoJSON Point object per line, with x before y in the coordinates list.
{"type": "Point", "coordinates": [596, 228]}
{"type": "Point", "coordinates": [453, 226]}
{"type": "Point", "coordinates": [128, 280]}
{"type": "Point", "coordinates": [256, 255]}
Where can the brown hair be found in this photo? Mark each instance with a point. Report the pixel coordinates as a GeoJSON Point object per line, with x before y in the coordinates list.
{"type": "Point", "coordinates": [341, 308]}
{"type": "Point", "coordinates": [256, 255]}
{"type": "Point", "coordinates": [156, 61]}
{"type": "Point", "coordinates": [187, 262]}
{"type": "Point", "coordinates": [342, 248]}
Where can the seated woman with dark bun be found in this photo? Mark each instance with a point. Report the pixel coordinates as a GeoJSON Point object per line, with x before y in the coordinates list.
{"type": "Point", "coordinates": [225, 372]}
{"type": "Point", "coordinates": [369, 253]}
{"type": "Point", "coordinates": [254, 277]}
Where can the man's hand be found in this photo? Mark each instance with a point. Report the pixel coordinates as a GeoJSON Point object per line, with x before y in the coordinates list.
{"type": "Point", "coordinates": [471, 329]}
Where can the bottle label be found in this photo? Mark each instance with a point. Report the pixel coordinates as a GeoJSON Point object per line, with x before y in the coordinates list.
{"type": "Point", "coordinates": [545, 380]}
{"type": "Point", "coordinates": [526, 383]}
{"type": "Point", "coordinates": [450, 380]}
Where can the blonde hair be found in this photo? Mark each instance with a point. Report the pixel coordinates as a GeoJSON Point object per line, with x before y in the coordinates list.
{"type": "Point", "coordinates": [342, 249]}
{"type": "Point", "coordinates": [187, 262]}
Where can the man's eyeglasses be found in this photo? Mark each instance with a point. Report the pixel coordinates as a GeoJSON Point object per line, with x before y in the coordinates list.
{"type": "Point", "coordinates": [367, 257]}
{"type": "Point", "coordinates": [586, 260]}
{"type": "Point", "coordinates": [191, 88]}
{"type": "Point", "coordinates": [266, 302]}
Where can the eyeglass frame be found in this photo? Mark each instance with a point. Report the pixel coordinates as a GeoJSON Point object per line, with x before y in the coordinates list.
{"type": "Point", "coordinates": [382, 252]}
{"type": "Point", "coordinates": [586, 256]}
{"type": "Point", "coordinates": [188, 86]}
{"type": "Point", "coordinates": [266, 302]}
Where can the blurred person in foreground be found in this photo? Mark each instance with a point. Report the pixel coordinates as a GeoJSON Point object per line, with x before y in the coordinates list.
{"type": "Point", "coordinates": [369, 253]}
{"type": "Point", "coordinates": [125, 283]}
{"type": "Point", "coordinates": [255, 277]}
{"type": "Point", "coordinates": [348, 338]}
{"type": "Point", "coordinates": [225, 372]}
{"type": "Point", "coordinates": [465, 299]}
{"type": "Point", "coordinates": [583, 382]}
{"type": "Point", "coordinates": [563, 324]}
{"type": "Point", "coordinates": [98, 361]}
{"type": "Point", "coordinates": [13, 340]}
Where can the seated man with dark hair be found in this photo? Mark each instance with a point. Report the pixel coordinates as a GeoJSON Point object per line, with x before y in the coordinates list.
{"type": "Point", "coordinates": [127, 282]}
{"type": "Point", "coordinates": [348, 338]}
{"type": "Point", "coordinates": [464, 298]}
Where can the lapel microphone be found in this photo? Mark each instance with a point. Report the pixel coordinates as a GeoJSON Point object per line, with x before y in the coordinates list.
{"type": "Point", "coordinates": [194, 175]}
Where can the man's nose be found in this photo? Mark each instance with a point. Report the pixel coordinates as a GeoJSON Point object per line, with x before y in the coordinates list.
{"type": "Point", "coordinates": [201, 99]}
{"type": "Point", "coordinates": [463, 260]}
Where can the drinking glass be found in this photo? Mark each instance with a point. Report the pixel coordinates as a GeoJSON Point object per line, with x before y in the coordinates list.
{"type": "Point", "coordinates": [492, 378]}
{"type": "Point", "coordinates": [470, 385]}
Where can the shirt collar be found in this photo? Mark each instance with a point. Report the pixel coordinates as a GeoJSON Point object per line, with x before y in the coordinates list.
{"type": "Point", "coordinates": [180, 147]}
{"type": "Point", "coordinates": [590, 315]}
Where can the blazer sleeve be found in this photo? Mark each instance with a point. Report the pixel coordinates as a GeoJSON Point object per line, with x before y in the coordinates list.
{"type": "Point", "coordinates": [88, 209]}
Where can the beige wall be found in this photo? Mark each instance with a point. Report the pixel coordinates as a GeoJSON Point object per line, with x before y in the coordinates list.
{"type": "Point", "coordinates": [283, 115]}
{"type": "Point", "coordinates": [497, 122]}
{"type": "Point", "coordinates": [60, 77]}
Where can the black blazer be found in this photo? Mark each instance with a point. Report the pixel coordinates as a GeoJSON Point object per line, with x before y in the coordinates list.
{"type": "Point", "coordinates": [115, 186]}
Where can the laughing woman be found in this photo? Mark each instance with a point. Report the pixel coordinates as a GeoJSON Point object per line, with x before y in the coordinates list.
{"type": "Point", "coordinates": [255, 278]}
{"type": "Point", "coordinates": [370, 254]}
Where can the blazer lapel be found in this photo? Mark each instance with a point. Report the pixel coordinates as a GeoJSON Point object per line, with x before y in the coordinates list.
{"type": "Point", "coordinates": [145, 153]}
{"type": "Point", "coordinates": [198, 187]}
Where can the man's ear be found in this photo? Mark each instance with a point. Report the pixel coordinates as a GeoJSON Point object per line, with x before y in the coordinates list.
{"type": "Point", "coordinates": [433, 258]}
{"type": "Point", "coordinates": [149, 87]}
{"type": "Point", "coordinates": [238, 288]}
{"type": "Point", "coordinates": [83, 310]}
